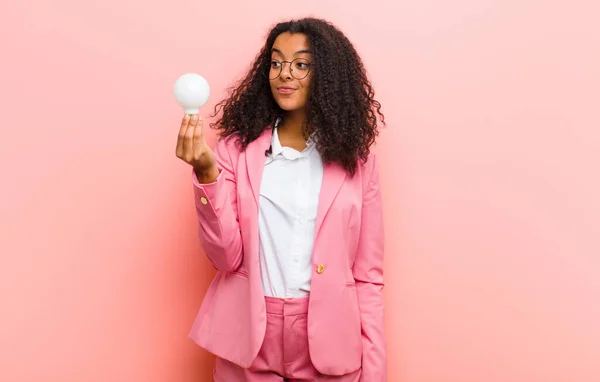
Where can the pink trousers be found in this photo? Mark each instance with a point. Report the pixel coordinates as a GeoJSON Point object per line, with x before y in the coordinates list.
{"type": "Point", "coordinates": [284, 353]}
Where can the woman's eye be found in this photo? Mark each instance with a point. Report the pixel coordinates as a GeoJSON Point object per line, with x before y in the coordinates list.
{"type": "Point", "coordinates": [275, 64]}
{"type": "Point", "coordinates": [302, 65]}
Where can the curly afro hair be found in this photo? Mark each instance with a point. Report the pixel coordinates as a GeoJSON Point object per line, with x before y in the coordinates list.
{"type": "Point", "coordinates": [341, 110]}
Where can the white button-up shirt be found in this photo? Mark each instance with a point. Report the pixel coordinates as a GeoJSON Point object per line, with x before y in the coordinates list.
{"type": "Point", "coordinates": [289, 196]}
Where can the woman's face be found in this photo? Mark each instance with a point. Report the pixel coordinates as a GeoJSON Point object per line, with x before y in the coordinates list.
{"type": "Point", "coordinates": [290, 71]}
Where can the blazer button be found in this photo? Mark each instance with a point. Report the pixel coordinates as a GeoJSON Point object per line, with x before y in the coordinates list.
{"type": "Point", "coordinates": [320, 268]}
{"type": "Point", "coordinates": [203, 200]}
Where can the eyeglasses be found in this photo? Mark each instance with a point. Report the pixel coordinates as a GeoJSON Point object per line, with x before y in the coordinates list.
{"type": "Point", "coordinates": [299, 68]}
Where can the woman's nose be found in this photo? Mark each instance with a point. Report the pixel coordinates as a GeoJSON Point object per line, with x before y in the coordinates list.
{"type": "Point", "coordinates": [286, 70]}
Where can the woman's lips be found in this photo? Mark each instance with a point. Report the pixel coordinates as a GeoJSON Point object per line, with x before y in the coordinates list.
{"type": "Point", "coordinates": [285, 90]}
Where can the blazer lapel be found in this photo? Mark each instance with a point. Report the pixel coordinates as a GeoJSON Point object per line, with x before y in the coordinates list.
{"type": "Point", "coordinates": [333, 178]}
{"type": "Point", "coordinates": [255, 160]}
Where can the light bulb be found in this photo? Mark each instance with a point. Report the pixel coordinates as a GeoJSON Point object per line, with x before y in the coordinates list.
{"type": "Point", "coordinates": [191, 92]}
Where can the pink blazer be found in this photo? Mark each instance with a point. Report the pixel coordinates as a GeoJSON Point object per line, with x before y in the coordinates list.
{"type": "Point", "coordinates": [346, 316]}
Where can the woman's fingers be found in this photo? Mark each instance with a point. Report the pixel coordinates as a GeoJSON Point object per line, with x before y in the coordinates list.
{"type": "Point", "coordinates": [181, 137]}
{"type": "Point", "coordinates": [198, 138]}
{"type": "Point", "coordinates": [191, 146]}
{"type": "Point", "coordinates": [188, 144]}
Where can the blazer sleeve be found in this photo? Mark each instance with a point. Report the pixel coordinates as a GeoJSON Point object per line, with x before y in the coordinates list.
{"type": "Point", "coordinates": [368, 274]}
{"type": "Point", "coordinates": [216, 210]}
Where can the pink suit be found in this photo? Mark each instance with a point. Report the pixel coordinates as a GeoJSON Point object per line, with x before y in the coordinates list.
{"type": "Point", "coordinates": [345, 321]}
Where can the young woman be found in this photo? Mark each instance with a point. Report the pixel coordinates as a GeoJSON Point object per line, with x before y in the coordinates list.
{"type": "Point", "coordinates": [289, 213]}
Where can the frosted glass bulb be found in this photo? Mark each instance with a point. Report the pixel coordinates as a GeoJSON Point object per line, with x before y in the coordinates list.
{"type": "Point", "coordinates": [191, 92]}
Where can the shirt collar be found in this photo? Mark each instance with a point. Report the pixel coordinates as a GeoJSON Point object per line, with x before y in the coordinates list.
{"type": "Point", "coordinates": [276, 147]}
{"type": "Point", "coordinates": [288, 153]}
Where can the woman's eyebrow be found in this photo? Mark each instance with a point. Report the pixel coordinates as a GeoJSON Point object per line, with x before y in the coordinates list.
{"type": "Point", "coordinates": [275, 50]}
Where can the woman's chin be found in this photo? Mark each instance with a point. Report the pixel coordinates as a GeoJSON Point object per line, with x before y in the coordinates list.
{"type": "Point", "coordinates": [290, 106]}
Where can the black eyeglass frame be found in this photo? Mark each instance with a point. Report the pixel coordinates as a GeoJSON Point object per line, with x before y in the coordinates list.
{"type": "Point", "coordinates": [291, 68]}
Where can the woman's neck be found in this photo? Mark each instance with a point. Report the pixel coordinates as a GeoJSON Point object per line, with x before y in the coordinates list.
{"type": "Point", "coordinates": [290, 130]}
{"type": "Point", "coordinates": [291, 125]}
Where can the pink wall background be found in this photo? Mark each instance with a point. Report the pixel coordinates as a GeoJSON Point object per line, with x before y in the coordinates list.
{"type": "Point", "coordinates": [490, 174]}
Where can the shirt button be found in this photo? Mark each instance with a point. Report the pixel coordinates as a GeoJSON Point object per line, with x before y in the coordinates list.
{"type": "Point", "coordinates": [203, 200]}
{"type": "Point", "coordinates": [296, 259]}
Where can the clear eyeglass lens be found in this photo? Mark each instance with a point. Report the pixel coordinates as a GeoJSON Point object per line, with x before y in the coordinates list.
{"type": "Point", "coordinates": [299, 68]}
